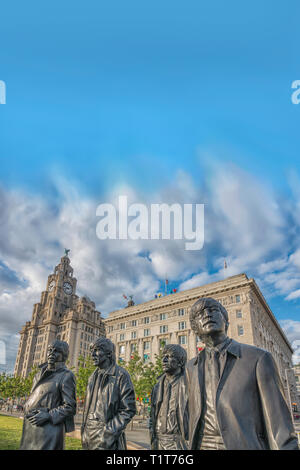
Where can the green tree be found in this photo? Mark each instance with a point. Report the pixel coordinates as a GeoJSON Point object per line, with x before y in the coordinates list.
{"type": "Point", "coordinates": [143, 375]}
{"type": "Point", "coordinates": [85, 369]}
{"type": "Point", "coordinates": [27, 382]}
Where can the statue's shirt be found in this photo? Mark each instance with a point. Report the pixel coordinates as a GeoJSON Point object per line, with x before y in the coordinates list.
{"type": "Point", "coordinates": [215, 359]}
{"type": "Point", "coordinates": [96, 406]}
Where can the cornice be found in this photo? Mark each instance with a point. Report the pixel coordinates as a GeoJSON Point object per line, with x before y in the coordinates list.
{"type": "Point", "coordinates": [174, 300]}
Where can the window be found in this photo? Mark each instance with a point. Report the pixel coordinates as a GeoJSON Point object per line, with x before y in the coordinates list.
{"type": "Point", "coordinates": [237, 298]}
{"type": "Point", "coordinates": [122, 337]}
{"type": "Point", "coordinates": [146, 345]}
{"type": "Point", "coordinates": [163, 342]}
{"type": "Point", "coordinates": [163, 316]}
{"type": "Point", "coordinates": [147, 320]}
{"type": "Point", "coordinates": [240, 329]}
{"type": "Point", "coordinates": [239, 314]}
{"type": "Point", "coordinates": [133, 323]}
{"type": "Point", "coordinates": [182, 339]}
{"type": "Point", "coordinates": [182, 325]}
{"type": "Point", "coordinates": [147, 332]}
{"type": "Point", "coordinates": [133, 347]}
{"type": "Point", "coordinates": [122, 326]}
{"type": "Point", "coordinates": [163, 329]}
{"type": "Point", "coordinates": [133, 334]}
{"type": "Point", "coordinates": [122, 349]}
{"type": "Point", "coordinates": [180, 312]}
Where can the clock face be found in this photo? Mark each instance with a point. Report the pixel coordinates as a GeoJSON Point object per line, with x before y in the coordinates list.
{"type": "Point", "coordinates": [51, 286]}
{"type": "Point", "coordinates": [68, 289]}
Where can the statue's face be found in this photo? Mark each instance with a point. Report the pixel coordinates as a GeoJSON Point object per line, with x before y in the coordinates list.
{"type": "Point", "coordinates": [211, 320]}
{"type": "Point", "coordinates": [54, 354]}
{"type": "Point", "coordinates": [99, 354]}
{"type": "Point", "coordinates": [170, 363]}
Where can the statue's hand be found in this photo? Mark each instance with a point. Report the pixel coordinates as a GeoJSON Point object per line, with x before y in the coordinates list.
{"type": "Point", "coordinates": [39, 418]}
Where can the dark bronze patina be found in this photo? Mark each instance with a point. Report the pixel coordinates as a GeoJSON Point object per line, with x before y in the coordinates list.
{"type": "Point", "coordinates": [235, 395]}
{"type": "Point", "coordinates": [168, 418]}
{"type": "Point", "coordinates": [110, 401]}
{"type": "Point", "coordinates": [50, 409]}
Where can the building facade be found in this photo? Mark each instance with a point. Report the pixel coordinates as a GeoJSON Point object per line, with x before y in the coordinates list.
{"type": "Point", "coordinates": [297, 379]}
{"type": "Point", "coordinates": [145, 327]}
{"type": "Point", "coordinates": [60, 314]}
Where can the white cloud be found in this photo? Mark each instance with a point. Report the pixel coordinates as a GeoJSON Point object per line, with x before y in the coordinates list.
{"type": "Point", "coordinates": [244, 224]}
{"type": "Point", "coordinates": [293, 295]}
{"type": "Point", "coordinates": [292, 330]}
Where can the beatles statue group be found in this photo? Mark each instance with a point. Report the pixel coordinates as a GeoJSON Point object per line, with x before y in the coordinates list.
{"type": "Point", "coordinates": [229, 397]}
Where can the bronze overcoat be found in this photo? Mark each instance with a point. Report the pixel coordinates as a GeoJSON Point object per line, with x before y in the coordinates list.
{"type": "Point", "coordinates": [117, 404]}
{"type": "Point", "coordinates": [54, 391]}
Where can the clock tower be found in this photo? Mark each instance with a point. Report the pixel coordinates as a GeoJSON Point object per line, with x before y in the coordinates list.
{"type": "Point", "coordinates": [61, 288]}
{"type": "Point", "coordinates": [60, 314]}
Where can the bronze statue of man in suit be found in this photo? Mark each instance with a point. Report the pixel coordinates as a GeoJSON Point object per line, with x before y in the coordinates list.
{"type": "Point", "coordinates": [235, 395]}
{"type": "Point", "coordinates": [51, 406]}
{"type": "Point", "coordinates": [168, 419]}
{"type": "Point", "coordinates": [110, 401]}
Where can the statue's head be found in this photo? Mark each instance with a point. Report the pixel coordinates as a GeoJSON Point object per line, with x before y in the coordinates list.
{"type": "Point", "coordinates": [174, 358]}
{"type": "Point", "coordinates": [208, 316]}
{"type": "Point", "coordinates": [58, 351]}
{"type": "Point", "coordinates": [103, 352]}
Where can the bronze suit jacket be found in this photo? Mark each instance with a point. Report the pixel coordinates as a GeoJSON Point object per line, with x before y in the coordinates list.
{"type": "Point", "coordinates": [181, 409]}
{"type": "Point", "coordinates": [251, 408]}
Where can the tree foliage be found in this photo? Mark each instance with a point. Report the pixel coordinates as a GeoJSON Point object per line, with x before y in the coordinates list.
{"type": "Point", "coordinates": [85, 369]}
{"type": "Point", "coordinates": [15, 386]}
{"type": "Point", "coordinates": [143, 374]}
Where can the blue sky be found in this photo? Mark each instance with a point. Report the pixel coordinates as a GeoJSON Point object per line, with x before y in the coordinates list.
{"type": "Point", "coordinates": [110, 95]}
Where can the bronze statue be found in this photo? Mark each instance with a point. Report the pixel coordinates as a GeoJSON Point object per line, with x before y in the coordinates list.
{"type": "Point", "coordinates": [235, 395]}
{"type": "Point", "coordinates": [51, 406]}
{"type": "Point", "coordinates": [110, 401]}
{"type": "Point", "coordinates": [168, 416]}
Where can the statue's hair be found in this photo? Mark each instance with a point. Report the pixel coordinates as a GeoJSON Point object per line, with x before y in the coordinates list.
{"type": "Point", "coordinates": [109, 346]}
{"type": "Point", "coordinates": [178, 351]}
{"type": "Point", "coordinates": [63, 347]}
{"type": "Point", "coordinates": [200, 305]}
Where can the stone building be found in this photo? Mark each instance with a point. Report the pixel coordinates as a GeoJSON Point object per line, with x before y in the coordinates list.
{"type": "Point", "coordinates": [144, 327]}
{"type": "Point", "coordinates": [297, 379]}
{"type": "Point", "coordinates": [60, 314]}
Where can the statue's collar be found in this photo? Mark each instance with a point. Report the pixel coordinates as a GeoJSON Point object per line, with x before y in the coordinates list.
{"type": "Point", "coordinates": [57, 366]}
